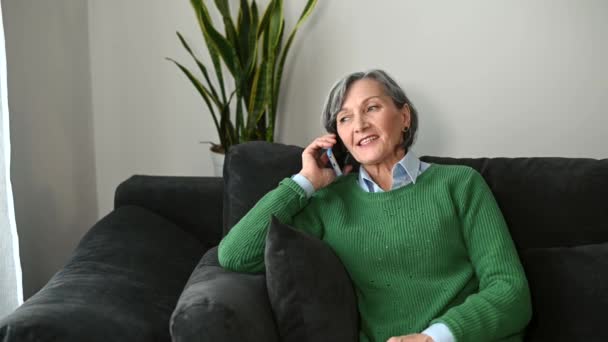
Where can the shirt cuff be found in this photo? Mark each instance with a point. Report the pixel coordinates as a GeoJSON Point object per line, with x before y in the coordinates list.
{"type": "Point", "coordinates": [304, 183]}
{"type": "Point", "coordinates": [439, 332]}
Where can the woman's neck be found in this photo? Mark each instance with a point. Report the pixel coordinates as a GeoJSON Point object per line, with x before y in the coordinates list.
{"type": "Point", "coordinates": [382, 173]}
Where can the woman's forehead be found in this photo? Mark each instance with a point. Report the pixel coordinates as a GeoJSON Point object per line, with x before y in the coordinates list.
{"type": "Point", "coordinates": [365, 87]}
{"type": "Point", "coordinates": [362, 91]}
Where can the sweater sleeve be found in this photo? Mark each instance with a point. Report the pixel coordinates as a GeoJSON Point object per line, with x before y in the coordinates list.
{"type": "Point", "coordinates": [502, 306]}
{"type": "Point", "coordinates": [242, 249]}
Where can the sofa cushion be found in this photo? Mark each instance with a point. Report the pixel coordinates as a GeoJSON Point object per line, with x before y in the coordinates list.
{"type": "Point", "coordinates": [121, 284]}
{"type": "Point", "coordinates": [250, 171]}
{"type": "Point", "coordinates": [219, 305]}
{"type": "Point", "coordinates": [310, 292]}
{"type": "Point", "coordinates": [569, 292]}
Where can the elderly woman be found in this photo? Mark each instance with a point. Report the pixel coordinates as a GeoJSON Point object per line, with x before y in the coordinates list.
{"type": "Point", "coordinates": [426, 246]}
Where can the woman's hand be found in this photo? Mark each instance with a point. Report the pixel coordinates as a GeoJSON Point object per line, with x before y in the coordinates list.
{"type": "Point", "coordinates": [411, 338]}
{"type": "Point", "coordinates": [313, 166]}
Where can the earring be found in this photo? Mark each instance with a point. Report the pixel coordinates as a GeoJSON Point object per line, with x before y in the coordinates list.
{"type": "Point", "coordinates": [405, 129]}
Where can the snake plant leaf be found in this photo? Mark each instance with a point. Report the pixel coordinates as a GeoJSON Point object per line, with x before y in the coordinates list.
{"type": "Point", "coordinates": [265, 19]}
{"type": "Point", "coordinates": [255, 18]}
{"type": "Point", "coordinates": [201, 89]}
{"type": "Point", "coordinates": [252, 42]}
{"type": "Point", "coordinates": [224, 7]}
{"type": "Point", "coordinates": [310, 5]}
{"type": "Point", "coordinates": [265, 43]}
{"type": "Point", "coordinates": [240, 125]}
{"type": "Point", "coordinates": [203, 69]}
{"type": "Point", "coordinates": [221, 45]}
{"type": "Point", "coordinates": [232, 34]}
{"type": "Point", "coordinates": [276, 23]}
{"type": "Point", "coordinates": [247, 49]}
{"type": "Point", "coordinates": [226, 126]}
{"type": "Point", "coordinates": [257, 102]}
{"type": "Point", "coordinates": [201, 12]}
{"type": "Point", "coordinates": [279, 40]}
{"type": "Point", "coordinates": [272, 42]}
{"type": "Point", "coordinates": [244, 28]}
{"type": "Point", "coordinates": [267, 90]}
{"type": "Point", "coordinates": [272, 71]}
{"type": "Point", "coordinates": [253, 36]}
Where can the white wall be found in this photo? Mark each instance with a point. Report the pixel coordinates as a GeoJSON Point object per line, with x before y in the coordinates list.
{"type": "Point", "coordinates": [148, 119]}
{"type": "Point", "coordinates": [53, 171]}
{"type": "Point", "coordinates": [489, 78]}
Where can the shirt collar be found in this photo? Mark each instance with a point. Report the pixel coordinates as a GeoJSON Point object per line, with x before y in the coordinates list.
{"type": "Point", "coordinates": [407, 169]}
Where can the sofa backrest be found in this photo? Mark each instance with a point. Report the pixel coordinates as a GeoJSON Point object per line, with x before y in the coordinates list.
{"type": "Point", "coordinates": [250, 171]}
{"type": "Point", "coordinates": [556, 210]}
{"type": "Point", "coordinates": [547, 202]}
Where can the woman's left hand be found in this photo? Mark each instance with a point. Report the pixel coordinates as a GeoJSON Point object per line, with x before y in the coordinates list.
{"type": "Point", "coordinates": [411, 338]}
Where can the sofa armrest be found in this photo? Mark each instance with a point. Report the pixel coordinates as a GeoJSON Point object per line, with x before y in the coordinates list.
{"type": "Point", "coordinates": [120, 284]}
{"type": "Point", "coordinates": [192, 203]}
{"type": "Point", "coordinates": [220, 305]}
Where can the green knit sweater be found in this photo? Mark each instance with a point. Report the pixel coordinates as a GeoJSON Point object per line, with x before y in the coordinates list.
{"type": "Point", "coordinates": [435, 251]}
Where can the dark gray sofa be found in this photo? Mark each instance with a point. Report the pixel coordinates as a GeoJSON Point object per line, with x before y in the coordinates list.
{"type": "Point", "coordinates": [148, 270]}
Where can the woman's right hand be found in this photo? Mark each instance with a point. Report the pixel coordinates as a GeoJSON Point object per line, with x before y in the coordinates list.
{"type": "Point", "coordinates": [313, 166]}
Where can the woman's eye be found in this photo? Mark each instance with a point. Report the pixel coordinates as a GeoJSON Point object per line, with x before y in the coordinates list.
{"type": "Point", "coordinates": [372, 108]}
{"type": "Point", "coordinates": [343, 119]}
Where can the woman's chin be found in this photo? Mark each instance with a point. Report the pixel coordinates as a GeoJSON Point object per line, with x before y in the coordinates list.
{"type": "Point", "coordinates": [368, 159]}
{"type": "Point", "coordinates": [370, 154]}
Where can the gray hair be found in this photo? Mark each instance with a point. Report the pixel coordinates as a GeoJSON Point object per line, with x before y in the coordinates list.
{"type": "Point", "coordinates": [336, 98]}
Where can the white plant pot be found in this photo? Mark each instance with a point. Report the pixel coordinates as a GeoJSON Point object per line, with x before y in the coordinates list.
{"type": "Point", "coordinates": [218, 163]}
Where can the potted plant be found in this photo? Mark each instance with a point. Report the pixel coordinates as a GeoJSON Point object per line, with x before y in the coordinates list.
{"type": "Point", "coordinates": [253, 50]}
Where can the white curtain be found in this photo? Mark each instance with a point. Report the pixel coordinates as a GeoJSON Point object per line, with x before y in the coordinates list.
{"type": "Point", "coordinates": [11, 288]}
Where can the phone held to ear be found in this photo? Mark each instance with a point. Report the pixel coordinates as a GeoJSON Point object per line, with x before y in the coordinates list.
{"type": "Point", "coordinates": [333, 162]}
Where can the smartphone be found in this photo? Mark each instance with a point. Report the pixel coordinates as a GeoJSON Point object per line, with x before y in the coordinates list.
{"type": "Point", "coordinates": [333, 162]}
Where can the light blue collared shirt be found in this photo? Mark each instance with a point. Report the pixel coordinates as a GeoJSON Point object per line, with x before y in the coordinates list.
{"type": "Point", "coordinates": [405, 172]}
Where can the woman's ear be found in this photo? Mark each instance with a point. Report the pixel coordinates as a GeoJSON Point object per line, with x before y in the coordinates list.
{"type": "Point", "coordinates": [406, 115]}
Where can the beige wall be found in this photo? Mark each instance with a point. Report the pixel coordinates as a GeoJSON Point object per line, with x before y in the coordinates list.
{"type": "Point", "coordinates": [53, 170]}
{"type": "Point", "coordinates": [490, 78]}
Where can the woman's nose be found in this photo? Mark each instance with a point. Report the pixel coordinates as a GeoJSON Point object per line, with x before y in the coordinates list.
{"type": "Point", "coordinates": [360, 123]}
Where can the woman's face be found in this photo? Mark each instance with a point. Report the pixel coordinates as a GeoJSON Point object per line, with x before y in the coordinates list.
{"type": "Point", "coordinates": [370, 125]}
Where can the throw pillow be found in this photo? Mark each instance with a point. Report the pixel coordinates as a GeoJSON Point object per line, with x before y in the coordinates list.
{"type": "Point", "coordinates": [569, 287]}
{"type": "Point", "coordinates": [310, 292]}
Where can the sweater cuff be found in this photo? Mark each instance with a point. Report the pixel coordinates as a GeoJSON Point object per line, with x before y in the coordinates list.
{"type": "Point", "coordinates": [439, 332]}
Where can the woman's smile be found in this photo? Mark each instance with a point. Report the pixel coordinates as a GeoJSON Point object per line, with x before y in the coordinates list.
{"type": "Point", "coordinates": [367, 140]}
